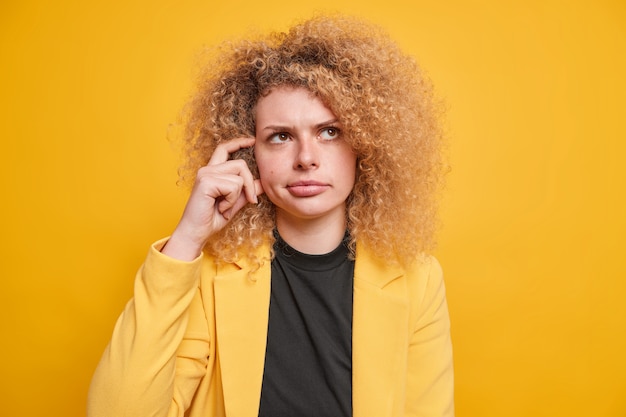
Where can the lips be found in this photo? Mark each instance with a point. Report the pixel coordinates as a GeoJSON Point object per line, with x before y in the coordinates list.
{"type": "Point", "coordinates": [307, 188]}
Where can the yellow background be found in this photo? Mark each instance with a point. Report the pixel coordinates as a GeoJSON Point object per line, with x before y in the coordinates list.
{"type": "Point", "coordinates": [532, 244]}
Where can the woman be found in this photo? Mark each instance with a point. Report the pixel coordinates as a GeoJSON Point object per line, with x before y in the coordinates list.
{"type": "Point", "coordinates": [316, 157]}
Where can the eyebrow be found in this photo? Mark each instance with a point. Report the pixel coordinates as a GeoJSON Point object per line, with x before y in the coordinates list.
{"type": "Point", "coordinates": [276, 128]}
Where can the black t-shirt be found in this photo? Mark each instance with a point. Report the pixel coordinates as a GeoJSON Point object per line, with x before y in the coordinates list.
{"type": "Point", "coordinates": [308, 361]}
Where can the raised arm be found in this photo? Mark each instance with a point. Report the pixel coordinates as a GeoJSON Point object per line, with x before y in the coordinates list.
{"type": "Point", "coordinates": [135, 376]}
{"type": "Point", "coordinates": [161, 344]}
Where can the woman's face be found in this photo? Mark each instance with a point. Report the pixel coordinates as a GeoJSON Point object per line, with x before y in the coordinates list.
{"type": "Point", "coordinates": [306, 168]}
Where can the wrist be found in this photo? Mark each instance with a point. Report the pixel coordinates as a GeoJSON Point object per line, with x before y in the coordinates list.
{"type": "Point", "coordinates": [182, 248]}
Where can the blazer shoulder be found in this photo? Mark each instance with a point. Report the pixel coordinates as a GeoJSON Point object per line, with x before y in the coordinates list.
{"type": "Point", "coordinates": [426, 290]}
{"type": "Point", "coordinates": [378, 271]}
{"type": "Point", "coordinates": [424, 277]}
{"type": "Point", "coordinates": [426, 267]}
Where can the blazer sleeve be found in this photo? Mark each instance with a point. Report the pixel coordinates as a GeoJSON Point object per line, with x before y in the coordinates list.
{"type": "Point", "coordinates": [160, 345]}
{"type": "Point", "coordinates": [430, 378]}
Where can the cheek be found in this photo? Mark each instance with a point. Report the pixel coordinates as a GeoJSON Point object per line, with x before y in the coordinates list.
{"type": "Point", "coordinates": [261, 162]}
{"type": "Point", "coordinates": [267, 173]}
{"type": "Point", "coordinates": [348, 165]}
{"type": "Point", "coordinates": [265, 169]}
{"type": "Point", "coordinates": [269, 164]}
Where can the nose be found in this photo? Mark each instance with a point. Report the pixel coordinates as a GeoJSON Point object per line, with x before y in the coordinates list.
{"type": "Point", "coordinates": [307, 154]}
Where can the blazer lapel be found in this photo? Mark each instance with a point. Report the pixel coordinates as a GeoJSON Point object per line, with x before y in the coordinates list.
{"type": "Point", "coordinates": [241, 315]}
{"type": "Point", "coordinates": [380, 336]}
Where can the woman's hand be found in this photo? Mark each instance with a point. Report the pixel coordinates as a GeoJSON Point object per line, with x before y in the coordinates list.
{"type": "Point", "coordinates": [221, 189]}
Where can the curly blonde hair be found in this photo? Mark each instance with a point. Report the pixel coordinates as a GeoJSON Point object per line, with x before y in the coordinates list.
{"type": "Point", "coordinates": [388, 114]}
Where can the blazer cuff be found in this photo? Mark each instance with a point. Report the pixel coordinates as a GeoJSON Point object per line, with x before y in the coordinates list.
{"type": "Point", "coordinates": [166, 273]}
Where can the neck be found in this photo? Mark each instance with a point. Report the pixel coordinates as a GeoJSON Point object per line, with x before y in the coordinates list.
{"type": "Point", "coordinates": [313, 237]}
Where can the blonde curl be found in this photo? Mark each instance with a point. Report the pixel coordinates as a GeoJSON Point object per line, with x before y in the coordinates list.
{"type": "Point", "coordinates": [385, 105]}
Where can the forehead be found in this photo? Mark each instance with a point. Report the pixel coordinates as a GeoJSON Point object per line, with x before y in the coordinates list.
{"type": "Point", "coordinates": [287, 104]}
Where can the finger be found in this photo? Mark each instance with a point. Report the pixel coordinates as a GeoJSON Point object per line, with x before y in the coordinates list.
{"type": "Point", "coordinates": [243, 200]}
{"type": "Point", "coordinates": [239, 168]}
{"type": "Point", "coordinates": [239, 204]}
{"type": "Point", "coordinates": [258, 188]}
{"type": "Point", "coordinates": [252, 188]}
{"type": "Point", "coordinates": [227, 207]}
{"type": "Point", "coordinates": [229, 190]}
{"type": "Point", "coordinates": [224, 149]}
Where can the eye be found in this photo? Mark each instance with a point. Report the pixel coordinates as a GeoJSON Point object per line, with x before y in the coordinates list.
{"type": "Point", "coordinates": [329, 133]}
{"type": "Point", "coordinates": [279, 137]}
